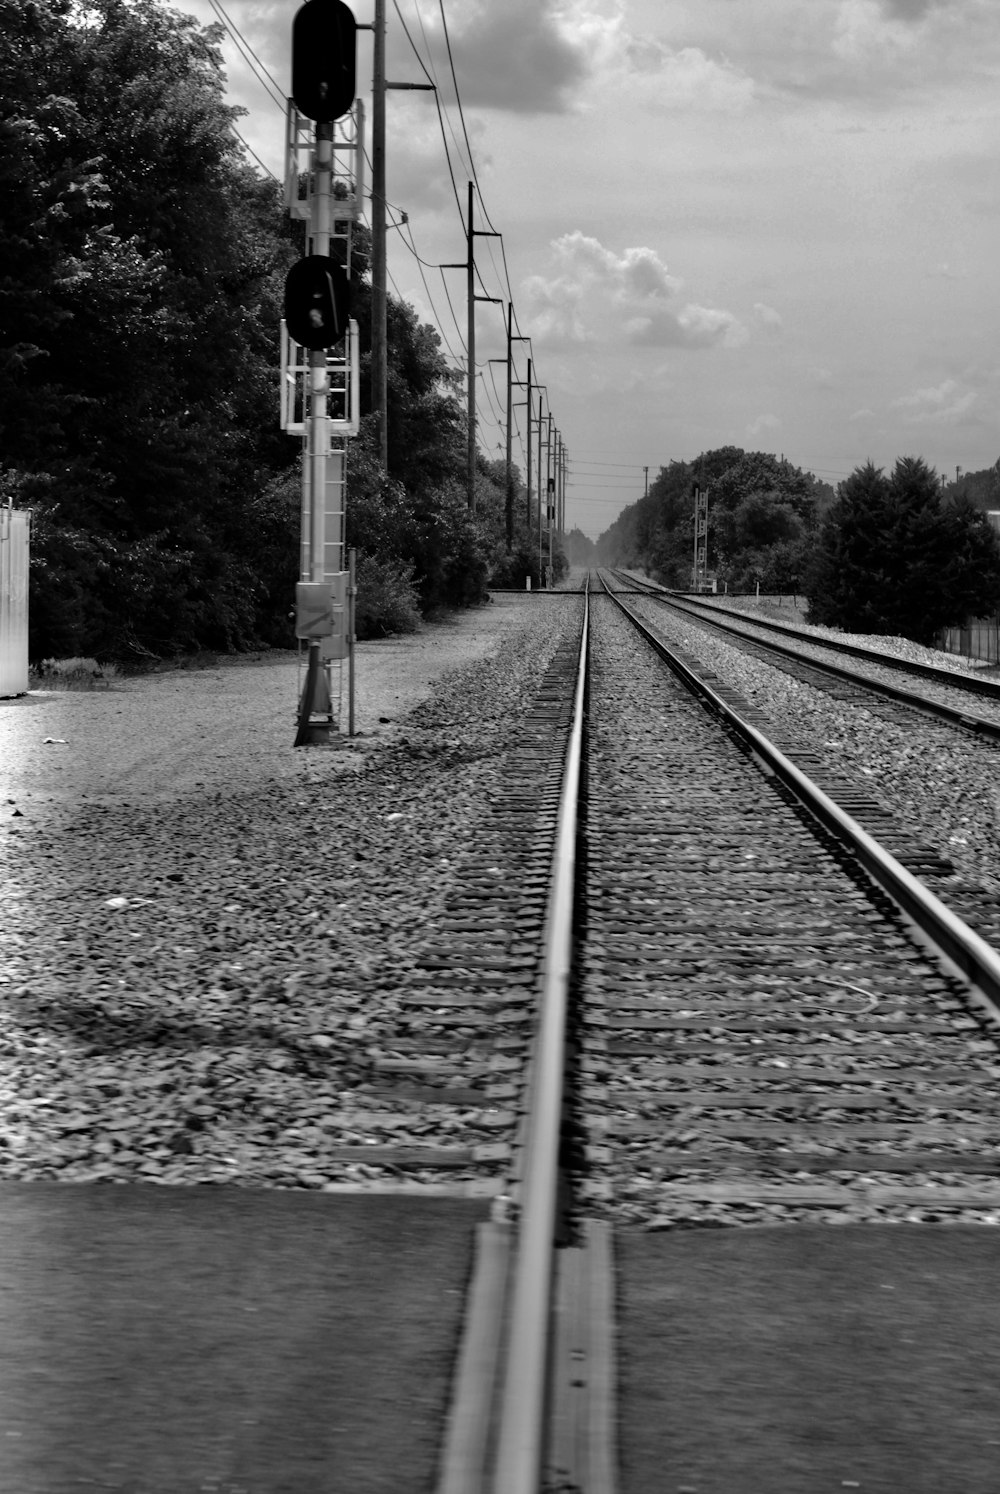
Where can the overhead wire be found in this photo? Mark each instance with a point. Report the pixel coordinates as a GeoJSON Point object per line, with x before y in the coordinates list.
{"type": "Point", "coordinates": [429, 70]}
{"type": "Point", "coordinates": [265, 78]}
{"type": "Point", "coordinates": [420, 266]}
{"type": "Point", "coordinates": [437, 100]}
{"type": "Point", "coordinates": [247, 146]}
{"type": "Point", "coordinates": [458, 99]}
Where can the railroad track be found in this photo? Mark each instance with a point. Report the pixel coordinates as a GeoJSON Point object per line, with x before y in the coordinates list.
{"type": "Point", "coordinates": [967, 701]}
{"type": "Point", "coordinates": [775, 1011]}
{"type": "Point", "coordinates": [768, 1018]}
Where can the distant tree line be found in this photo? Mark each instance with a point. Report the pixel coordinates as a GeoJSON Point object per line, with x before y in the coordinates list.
{"type": "Point", "coordinates": [142, 264]}
{"type": "Point", "coordinates": [899, 554]}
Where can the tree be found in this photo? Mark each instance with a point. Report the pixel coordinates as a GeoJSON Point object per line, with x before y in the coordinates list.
{"type": "Point", "coordinates": [757, 503]}
{"type": "Point", "coordinates": [894, 556]}
{"type": "Point", "coordinates": [580, 548]}
{"type": "Point", "coordinates": [982, 489]}
{"type": "Point", "coordinates": [140, 274]}
{"type": "Point", "coordinates": [142, 265]}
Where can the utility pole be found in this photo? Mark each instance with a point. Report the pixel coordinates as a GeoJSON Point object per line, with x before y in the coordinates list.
{"type": "Point", "coordinates": [380, 357]}
{"type": "Point", "coordinates": [700, 566]}
{"type": "Point", "coordinates": [550, 486]}
{"type": "Point", "coordinates": [471, 234]}
{"type": "Point", "coordinates": [511, 381]}
{"type": "Point", "coordinates": [380, 341]}
{"type": "Point", "coordinates": [542, 391]}
{"type": "Point", "coordinates": [527, 495]}
{"type": "Point", "coordinates": [541, 484]}
{"type": "Point", "coordinates": [470, 342]}
{"type": "Point", "coordinates": [556, 467]}
{"type": "Point", "coordinates": [646, 476]}
{"type": "Point", "coordinates": [509, 507]}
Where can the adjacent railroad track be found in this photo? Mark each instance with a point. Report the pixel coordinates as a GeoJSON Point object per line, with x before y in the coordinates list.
{"type": "Point", "coordinates": [965, 699]}
{"type": "Point", "coordinates": [768, 1017]}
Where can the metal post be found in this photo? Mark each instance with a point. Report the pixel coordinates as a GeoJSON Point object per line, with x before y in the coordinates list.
{"type": "Point", "coordinates": [560, 487]}
{"type": "Point", "coordinates": [316, 699]}
{"type": "Point", "coordinates": [379, 333]}
{"type": "Point", "coordinates": [696, 493]}
{"type": "Point", "coordinates": [509, 508]}
{"type": "Point", "coordinates": [527, 497]}
{"type": "Point", "coordinates": [470, 242]}
{"type": "Point", "coordinates": [541, 490]}
{"type": "Point", "coordinates": [352, 592]}
{"type": "Point", "coordinates": [549, 493]}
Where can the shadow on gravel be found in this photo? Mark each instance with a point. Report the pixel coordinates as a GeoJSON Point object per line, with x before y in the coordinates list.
{"type": "Point", "coordinates": [108, 1032]}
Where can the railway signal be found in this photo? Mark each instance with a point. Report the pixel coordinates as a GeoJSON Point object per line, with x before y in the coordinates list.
{"type": "Point", "coordinates": [319, 381]}
{"type": "Point", "coordinates": [317, 298]}
{"type": "Point", "coordinates": [324, 60]}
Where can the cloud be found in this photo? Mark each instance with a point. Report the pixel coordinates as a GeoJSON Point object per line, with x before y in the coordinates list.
{"type": "Point", "coordinates": [415, 179]}
{"type": "Point", "coordinates": [885, 30]}
{"type": "Point", "coordinates": [945, 404]}
{"type": "Point", "coordinates": [865, 32]}
{"type": "Point", "coordinates": [689, 78]}
{"type": "Point", "coordinates": [595, 293]}
{"type": "Point", "coordinates": [524, 57]}
{"type": "Point", "coordinates": [907, 10]}
{"type": "Point", "coordinates": [690, 327]}
{"type": "Point", "coordinates": [761, 424]}
{"type": "Point", "coordinates": [765, 316]}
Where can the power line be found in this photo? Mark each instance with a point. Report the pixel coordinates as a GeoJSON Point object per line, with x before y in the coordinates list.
{"type": "Point", "coordinates": [458, 100]}
{"type": "Point", "coordinates": [437, 99]}
{"type": "Point", "coordinates": [413, 48]}
{"type": "Point", "coordinates": [266, 81]}
{"type": "Point", "coordinates": [420, 266]}
{"type": "Point", "coordinates": [627, 466]}
{"type": "Point", "coordinates": [247, 146]}
{"type": "Point", "coordinates": [451, 308]}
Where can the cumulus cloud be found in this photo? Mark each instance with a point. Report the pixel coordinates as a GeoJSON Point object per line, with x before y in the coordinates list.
{"type": "Point", "coordinates": [415, 179]}
{"type": "Point", "coordinates": [868, 30]}
{"type": "Point", "coordinates": [595, 292]}
{"type": "Point", "coordinates": [761, 424]}
{"type": "Point", "coordinates": [765, 316]}
{"type": "Point", "coordinates": [944, 404]}
{"type": "Point", "coordinates": [525, 56]}
{"type": "Point", "coordinates": [689, 78]}
{"type": "Point", "coordinates": [907, 10]}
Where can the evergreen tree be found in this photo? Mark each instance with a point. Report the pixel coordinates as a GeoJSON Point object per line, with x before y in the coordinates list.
{"type": "Point", "coordinates": [895, 557]}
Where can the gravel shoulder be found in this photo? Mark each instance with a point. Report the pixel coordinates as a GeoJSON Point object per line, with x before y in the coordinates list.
{"type": "Point", "coordinates": [229, 725]}
{"type": "Point", "coordinates": [203, 930]}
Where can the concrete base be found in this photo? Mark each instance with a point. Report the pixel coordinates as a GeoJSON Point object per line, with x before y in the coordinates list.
{"type": "Point", "coordinates": [167, 1340]}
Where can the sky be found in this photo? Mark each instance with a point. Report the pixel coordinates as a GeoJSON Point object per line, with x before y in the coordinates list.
{"type": "Point", "coordinates": [772, 224]}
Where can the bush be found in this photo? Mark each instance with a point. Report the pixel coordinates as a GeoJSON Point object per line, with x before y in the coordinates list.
{"type": "Point", "coordinates": [387, 600]}
{"type": "Point", "coordinates": [75, 674]}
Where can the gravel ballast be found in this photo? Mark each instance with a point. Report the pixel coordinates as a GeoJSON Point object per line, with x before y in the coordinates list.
{"type": "Point", "coordinates": [203, 927]}
{"type": "Point", "coordinates": [944, 784]}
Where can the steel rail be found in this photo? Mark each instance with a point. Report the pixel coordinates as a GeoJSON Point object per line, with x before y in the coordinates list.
{"type": "Point", "coordinates": [951, 714]}
{"type": "Point", "coordinates": [949, 934]}
{"type": "Point", "coordinates": [521, 1419]}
